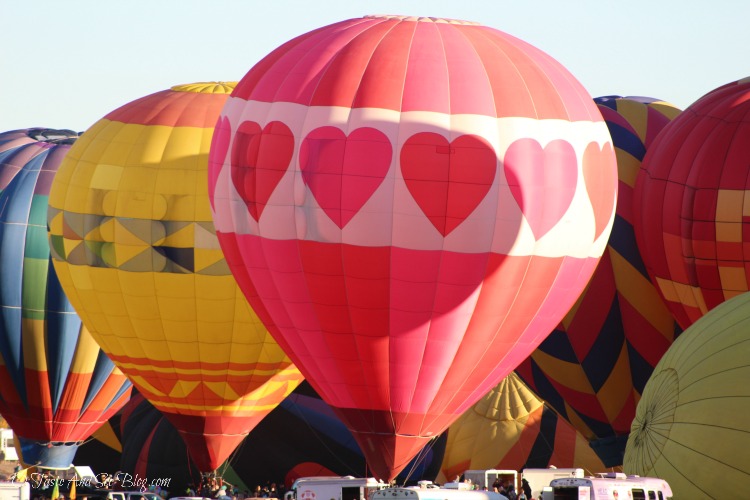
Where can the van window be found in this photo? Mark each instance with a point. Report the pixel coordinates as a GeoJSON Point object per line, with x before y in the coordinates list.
{"type": "Point", "coordinates": [350, 493]}
{"type": "Point", "coordinates": [566, 493]}
{"type": "Point", "coordinates": [638, 494]}
{"type": "Point", "coordinates": [651, 495]}
{"type": "Point", "coordinates": [661, 497]}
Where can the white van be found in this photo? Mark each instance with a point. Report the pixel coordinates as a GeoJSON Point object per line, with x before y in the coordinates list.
{"type": "Point", "coordinates": [334, 488]}
{"type": "Point", "coordinates": [15, 491]}
{"type": "Point", "coordinates": [539, 478]}
{"type": "Point", "coordinates": [609, 486]}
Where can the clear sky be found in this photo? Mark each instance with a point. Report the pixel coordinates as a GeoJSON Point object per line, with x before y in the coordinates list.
{"type": "Point", "coordinates": [67, 64]}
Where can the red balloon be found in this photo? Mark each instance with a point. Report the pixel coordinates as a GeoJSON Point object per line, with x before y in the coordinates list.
{"type": "Point", "coordinates": [691, 203]}
{"type": "Point", "coordinates": [411, 205]}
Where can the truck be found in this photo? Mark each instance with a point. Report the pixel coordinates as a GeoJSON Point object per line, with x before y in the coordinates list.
{"type": "Point", "coordinates": [334, 488]}
{"type": "Point", "coordinates": [608, 486]}
{"type": "Point", "coordinates": [538, 479]}
{"type": "Point", "coordinates": [15, 490]}
{"type": "Point", "coordinates": [484, 478]}
{"type": "Point", "coordinates": [436, 493]}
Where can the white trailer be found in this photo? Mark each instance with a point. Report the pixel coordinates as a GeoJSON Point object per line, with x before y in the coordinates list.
{"type": "Point", "coordinates": [610, 486]}
{"type": "Point", "coordinates": [15, 490]}
{"type": "Point", "coordinates": [7, 446]}
{"type": "Point", "coordinates": [432, 493]}
{"type": "Point", "coordinates": [334, 488]}
{"type": "Point", "coordinates": [538, 479]}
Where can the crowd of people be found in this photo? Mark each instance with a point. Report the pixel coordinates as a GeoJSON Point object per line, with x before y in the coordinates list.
{"type": "Point", "coordinates": [508, 490]}
{"type": "Point", "coordinates": [219, 489]}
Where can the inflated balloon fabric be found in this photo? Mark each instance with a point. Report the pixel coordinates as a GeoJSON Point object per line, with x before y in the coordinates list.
{"type": "Point", "coordinates": [511, 428]}
{"type": "Point", "coordinates": [691, 426]}
{"type": "Point", "coordinates": [136, 252]}
{"type": "Point", "coordinates": [412, 204]}
{"type": "Point", "coordinates": [691, 204]}
{"type": "Point", "coordinates": [56, 385]}
{"type": "Point", "coordinates": [594, 365]}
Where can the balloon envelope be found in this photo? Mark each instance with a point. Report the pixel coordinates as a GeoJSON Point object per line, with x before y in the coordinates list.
{"type": "Point", "coordinates": [136, 251]}
{"type": "Point", "coordinates": [691, 425]}
{"type": "Point", "coordinates": [690, 204]}
{"type": "Point", "coordinates": [594, 365]}
{"type": "Point", "coordinates": [411, 205]}
{"type": "Point", "coordinates": [56, 386]}
{"type": "Point", "coordinates": [510, 428]}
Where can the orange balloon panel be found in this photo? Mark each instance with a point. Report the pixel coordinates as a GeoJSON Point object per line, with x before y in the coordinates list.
{"type": "Point", "coordinates": [136, 252]}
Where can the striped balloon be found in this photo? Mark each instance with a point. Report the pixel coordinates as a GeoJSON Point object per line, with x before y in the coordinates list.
{"type": "Point", "coordinates": [56, 385]}
{"type": "Point", "coordinates": [594, 365]}
{"type": "Point", "coordinates": [511, 428]}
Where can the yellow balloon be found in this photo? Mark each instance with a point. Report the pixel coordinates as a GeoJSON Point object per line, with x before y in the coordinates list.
{"type": "Point", "coordinates": [511, 428]}
{"type": "Point", "coordinates": [134, 246]}
{"type": "Point", "coordinates": [691, 426]}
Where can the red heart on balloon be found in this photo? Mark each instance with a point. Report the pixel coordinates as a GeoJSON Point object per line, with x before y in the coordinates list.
{"type": "Point", "coordinates": [542, 180]}
{"type": "Point", "coordinates": [600, 177]}
{"type": "Point", "coordinates": [260, 158]}
{"type": "Point", "coordinates": [447, 180]}
{"type": "Point", "coordinates": [343, 171]}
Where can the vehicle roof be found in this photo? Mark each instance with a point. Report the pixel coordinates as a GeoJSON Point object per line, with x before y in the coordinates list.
{"type": "Point", "coordinates": [628, 481]}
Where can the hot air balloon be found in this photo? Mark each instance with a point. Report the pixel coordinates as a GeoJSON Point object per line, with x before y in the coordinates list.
{"type": "Point", "coordinates": [594, 365]}
{"type": "Point", "coordinates": [691, 425]}
{"type": "Point", "coordinates": [329, 447]}
{"type": "Point", "coordinates": [510, 428]}
{"type": "Point", "coordinates": [690, 201]}
{"type": "Point", "coordinates": [411, 205]}
{"type": "Point", "coordinates": [136, 252]}
{"type": "Point", "coordinates": [302, 436]}
{"type": "Point", "coordinates": [56, 386]}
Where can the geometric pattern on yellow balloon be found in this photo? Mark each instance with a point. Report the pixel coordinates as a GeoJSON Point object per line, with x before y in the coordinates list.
{"type": "Point", "coordinates": [203, 398]}
{"type": "Point", "coordinates": [141, 245]}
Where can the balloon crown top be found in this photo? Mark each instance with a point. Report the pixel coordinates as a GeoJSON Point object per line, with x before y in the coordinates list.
{"type": "Point", "coordinates": [53, 136]}
{"type": "Point", "coordinates": [423, 19]}
{"type": "Point", "coordinates": [206, 87]}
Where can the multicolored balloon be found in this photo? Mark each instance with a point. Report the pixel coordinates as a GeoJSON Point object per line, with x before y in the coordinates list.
{"type": "Point", "coordinates": [691, 426]}
{"type": "Point", "coordinates": [691, 204]}
{"type": "Point", "coordinates": [56, 386]}
{"type": "Point", "coordinates": [411, 205]}
{"type": "Point", "coordinates": [136, 251]}
{"type": "Point", "coordinates": [511, 428]}
{"type": "Point", "coordinates": [594, 365]}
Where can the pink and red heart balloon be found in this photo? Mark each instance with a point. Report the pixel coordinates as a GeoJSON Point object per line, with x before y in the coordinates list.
{"type": "Point", "coordinates": [411, 205]}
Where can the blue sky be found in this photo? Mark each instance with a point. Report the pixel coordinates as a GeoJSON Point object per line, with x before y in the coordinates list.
{"type": "Point", "coordinates": [67, 64]}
